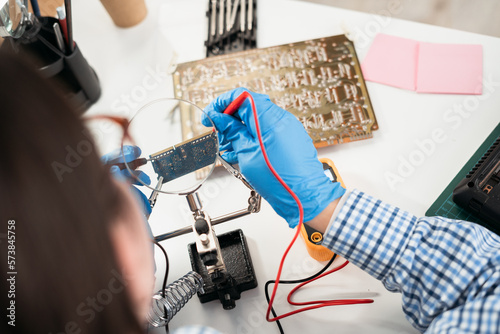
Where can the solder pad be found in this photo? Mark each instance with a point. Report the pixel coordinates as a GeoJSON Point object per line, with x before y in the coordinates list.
{"type": "Point", "coordinates": [189, 156]}
{"type": "Point", "coordinates": [319, 81]}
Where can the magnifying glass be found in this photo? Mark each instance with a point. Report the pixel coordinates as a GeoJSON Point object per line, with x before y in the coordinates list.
{"type": "Point", "coordinates": [176, 160]}
{"type": "Point", "coordinates": [13, 15]}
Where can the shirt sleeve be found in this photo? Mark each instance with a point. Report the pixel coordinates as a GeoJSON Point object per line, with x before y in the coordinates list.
{"type": "Point", "coordinates": [448, 271]}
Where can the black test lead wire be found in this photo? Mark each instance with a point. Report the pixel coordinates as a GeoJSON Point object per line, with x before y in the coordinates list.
{"type": "Point", "coordinates": [294, 282]}
{"type": "Point", "coordinates": [69, 25]}
{"type": "Point", "coordinates": [164, 285]}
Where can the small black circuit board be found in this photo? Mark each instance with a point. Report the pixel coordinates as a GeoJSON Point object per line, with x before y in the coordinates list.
{"type": "Point", "coordinates": [187, 157]}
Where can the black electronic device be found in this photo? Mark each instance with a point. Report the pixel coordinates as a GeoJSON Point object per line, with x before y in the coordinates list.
{"type": "Point", "coordinates": [239, 275]}
{"type": "Point", "coordinates": [479, 191]}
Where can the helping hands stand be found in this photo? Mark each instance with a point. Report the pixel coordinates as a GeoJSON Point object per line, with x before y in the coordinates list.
{"type": "Point", "coordinates": [223, 261]}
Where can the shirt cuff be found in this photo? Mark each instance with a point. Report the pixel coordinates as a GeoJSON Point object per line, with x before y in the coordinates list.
{"type": "Point", "coordinates": [369, 233]}
{"type": "Point", "coordinates": [340, 204]}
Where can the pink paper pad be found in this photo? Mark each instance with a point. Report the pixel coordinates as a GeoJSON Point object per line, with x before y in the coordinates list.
{"type": "Point", "coordinates": [424, 67]}
{"type": "Point", "coordinates": [392, 61]}
{"type": "Point", "coordinates": [450, 68]}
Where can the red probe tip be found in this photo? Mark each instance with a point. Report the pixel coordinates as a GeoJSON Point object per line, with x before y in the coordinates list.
{"type": "Point", "coordinates": [236, 104]}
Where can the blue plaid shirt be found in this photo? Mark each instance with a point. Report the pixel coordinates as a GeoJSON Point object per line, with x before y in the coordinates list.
{"type": "Point", "coordinates": [448, 271]}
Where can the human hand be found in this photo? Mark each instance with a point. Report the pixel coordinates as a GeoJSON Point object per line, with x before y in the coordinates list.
{"type": "Point", "coordinates": [130, 153]}
{"type": "Point", "coordinates": [289, 148]}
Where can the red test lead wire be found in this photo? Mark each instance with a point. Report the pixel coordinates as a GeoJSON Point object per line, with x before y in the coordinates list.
{"type": "Point", "coordinates": [237, 102]}
{"type": "Point", "coordinates": [61, 16]}
{"type": "Point", "coordinates": [329, 302]}
{"type": "Point", "coordinates": [231, 109]}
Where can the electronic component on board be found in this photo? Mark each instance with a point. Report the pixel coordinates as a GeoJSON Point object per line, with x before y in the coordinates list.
{"type": "Point", "coordinates": [479, 191]}
{"type": "Point", "coordinates": [187, 157]}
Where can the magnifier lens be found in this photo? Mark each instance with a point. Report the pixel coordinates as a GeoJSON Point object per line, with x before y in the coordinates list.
{"type": "Point", "coordinates": [178, 160]}
{"type": "Point", "coordinates": [11, 17]}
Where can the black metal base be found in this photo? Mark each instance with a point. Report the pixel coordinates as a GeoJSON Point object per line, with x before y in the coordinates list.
{"type": "Point", "coordinates": [241, 274]}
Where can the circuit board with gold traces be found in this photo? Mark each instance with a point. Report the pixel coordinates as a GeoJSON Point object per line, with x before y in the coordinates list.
{"type": "Point", "coordinates": [319, 81]}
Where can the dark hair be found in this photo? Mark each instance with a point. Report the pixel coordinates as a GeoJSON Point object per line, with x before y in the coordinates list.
{"type": "Point", "coordinates": [62, 201]}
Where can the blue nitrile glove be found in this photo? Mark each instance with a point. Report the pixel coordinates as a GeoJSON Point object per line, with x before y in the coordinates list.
{"type": "Point", "coordinates": [289, 148]}
{"type": "Point", "coordinates": [130, 153]}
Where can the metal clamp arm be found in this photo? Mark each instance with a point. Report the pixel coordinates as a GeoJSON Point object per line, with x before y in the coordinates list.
{"type": "Point", "coordinates": [253, 207]}
{"type": "Point", "coordinates": [236, 173]}
{"type": "Point", "coordinates": [254, 203]}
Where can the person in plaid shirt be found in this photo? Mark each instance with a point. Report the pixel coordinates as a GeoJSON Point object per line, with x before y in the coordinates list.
{"type": "Point", "coordinates": [448, 271]}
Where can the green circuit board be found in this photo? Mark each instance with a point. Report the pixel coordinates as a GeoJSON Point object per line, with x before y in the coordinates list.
{"type": "Point", "coordinates": [187, 157]}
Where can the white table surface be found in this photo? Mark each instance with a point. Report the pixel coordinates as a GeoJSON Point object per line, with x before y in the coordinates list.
{"type": "Point", "coordinates": [132, 66]}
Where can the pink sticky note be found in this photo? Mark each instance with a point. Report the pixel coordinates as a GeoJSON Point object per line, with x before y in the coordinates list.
{"type": "Point", "coordinates": [392, 61]}
{"type": "Point", "coordinates": [450, 68]}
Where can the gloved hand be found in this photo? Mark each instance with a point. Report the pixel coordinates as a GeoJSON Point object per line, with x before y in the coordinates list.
{"type": "Point", "coordinates": [289, 148]}
{"type": "Point", "coordinates": [130, 153]}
